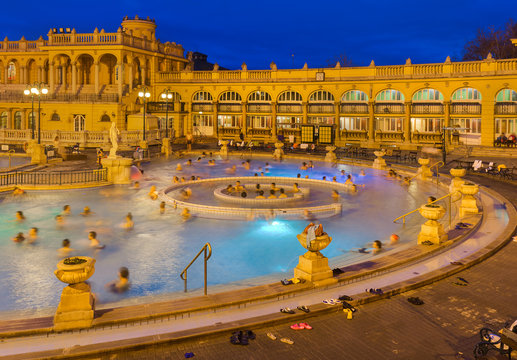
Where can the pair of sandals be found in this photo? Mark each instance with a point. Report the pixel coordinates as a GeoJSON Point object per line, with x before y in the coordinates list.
{"type": "Point", "coordinates": [375, 291]}
{"type": "Point", "coordinates": [189, 355]}
{"type": "Point", "coordinates": [415, 301]}
{"type": "Point", "coordinates": [284, 340]}
{"type": "Point", "coordinates": [332, 301]}
{"type": "Point", "coordinates": [462, 225]}
{"type": "Point", "coordinates": [301, 326]}
{"type": "Point", "coordinates": [242, 337]}
{"type": "Point", "coordinates": [348, 306]}
{"type": "Point", "coordinates": [461, 282]}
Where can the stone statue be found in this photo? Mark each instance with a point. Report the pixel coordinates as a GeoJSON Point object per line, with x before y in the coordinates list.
{"type": "Point", "coordinates": [114, 133]}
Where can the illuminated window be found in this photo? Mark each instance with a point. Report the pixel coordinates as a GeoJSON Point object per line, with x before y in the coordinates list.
{"type": "Point", "coordinates": [428, 95]}
{"type": "Point", "coordinates": [321, 120]}
{"type": "Point", "coordinates": [230, 97]}
{"type": "Point", "coordinates": [466, 94]}
{"type": "Point", "coordinates": [389, 95]}
{"type": "Point", "coordinates": [507, 126]}
{"type": "Point", "coordinates": [259, 121]}
{"type": "Point", "coordinates": [4, 120]}
{"type": "Point", "coordinates": [506, 95]}
{"type": "Point", "coordinates": [388, 124]}
{"type": "Point", "coordinates": [202, 96]}
{"type": "Point", "coordinates": [290, 97]}
{"type": "Point", "coordinates": [321, 96]}
{"type": "Point", "coordinates": [430, 125]}
{"type": "Point", "coordinates": [18, 120]}
{"type": "Point", "coordinates": [288, 122]}
{"type": "Point", "coordinates": [259, 97]}
{"type": "Point", "coordinates": [354, 96]}
{"type": "Point", "coordinates": [11, 71]}
{"type": "Point", "coordinates": [229, 120]}
{"type": "Point", "coordinates": [353, 123]}
{"type": "Point", "coordinates": [473, 125]}
{"type": "Point", "coordinates": [203, 120]}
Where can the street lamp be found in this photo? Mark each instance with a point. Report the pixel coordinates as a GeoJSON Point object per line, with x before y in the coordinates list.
{"type": "Point", "coordinates": [36, 89]}
{"type": "Point", "coordinates": [144, 94]}
{"type": "Point", "coordinates": [167, 95]}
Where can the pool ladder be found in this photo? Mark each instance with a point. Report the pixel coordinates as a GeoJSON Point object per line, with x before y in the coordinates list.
{"type": "Point", "coordinates": [208, 253]}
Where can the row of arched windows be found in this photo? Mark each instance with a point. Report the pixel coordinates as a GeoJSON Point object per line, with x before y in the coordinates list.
{"type": "Point", "coordinates": [323, 96]}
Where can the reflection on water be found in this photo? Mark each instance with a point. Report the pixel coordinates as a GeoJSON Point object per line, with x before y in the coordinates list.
{"type": "Point", "coordinates": [160, 246]}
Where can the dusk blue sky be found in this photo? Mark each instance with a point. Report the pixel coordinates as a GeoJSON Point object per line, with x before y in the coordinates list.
{"type": "Point", "coordinates": [258, 32]}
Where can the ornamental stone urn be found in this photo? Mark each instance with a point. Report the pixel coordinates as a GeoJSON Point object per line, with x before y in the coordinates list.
{"type": "Point", "coordinates": [278, 154]}
{"type": "Point", "coordinates": [330, 156]}
{"type": "Point", "coordinates": [224, 148]}
{"type": "Point", "coordinates": [432, 231]}
{"type": "Point", "coordinates": [77, 305]}
{"type": "Point", "coordinates": [468, 201]}
{"type": "Point", "coordinates": [313, 266]}
{"type": "Point", "coordinates": [379, 162]}
{"type": "Point", "coordinates": [456, 182]}
{"type": "Point", "coordinates": [424, 171]}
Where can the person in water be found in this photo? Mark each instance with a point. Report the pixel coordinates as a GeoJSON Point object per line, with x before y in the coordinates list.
{"type": "Point", "coordinates": [153, 194]}
{"type": "Point", "coordinates": [129, 223]}
{"type": "Point", "coordinates": [272, 194]}
{"type": "Point", "coordinates": [94, 243]}
{"type": "Point", "coordinates": [185, 214]}
{"type": "Point", "coordinates": [260, 195]}
{"type": "Point", "coordinates": [296, 188]}
{"type": "Point", "coordinates": [335, 195]}
{"type": "Point", "coordinates": [19, 216]}
{"type": "Point", "coordinates": [122, 284]}
{"type": "Point", "coordinates": [66, 210]}
{"type": "Point", "coordinates": [282, 194]}
{"type": "Point", "coordinates": [162, 207]}
{"type": "Point", "coordinates": [86, 211]}
{"type": "Point", "coordinates": [65, 249]}
{"type": "Point", "coordinates": [33, 235]}
{"type": "Point", "coordinates": [18, 238]}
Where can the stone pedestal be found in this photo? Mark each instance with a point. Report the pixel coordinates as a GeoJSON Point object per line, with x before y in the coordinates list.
{"type": "Point", "coordinates": [468, 201]}
{"type": "Point", "coordinates": [379, 162]}
{"type": "Point", "coordinates": [166, 146]}
{"type": "Point", "coordinates": [456, 182]}
{"type": "Point", "coordinates": [224, 148]}
{"type": "Point", "coordinates": [278, 154]}
{"type": "Point", "coordinates": [330, 156]}
{"type": "Point", "coordinates": [432, 230]}
{"type": "Point", "coordinates": [313, 266]}
{"type": "Point", "coordinates": [77, 305]}
{"type": "Point", "coordinates": [119, 169]}
{"type": "Point", "coordinates": [424, 171]}
{"type": "Point", "coordinates": [36, 152]}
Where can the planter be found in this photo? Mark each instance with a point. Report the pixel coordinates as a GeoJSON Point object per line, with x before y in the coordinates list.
{"type": "Point", "coordinates": [317, 245]}
{"type": "Point", "coordinates": [73, 274]}
{"type": "Point", "coordinates": [424, 162]}
{"type": "Point", "coordinates": [313, 266]}
{"type": "Point", "coordinates": [431, 232]}
{"type": "Point", "coordinates": [457, 172]}
{"type": "Point", "coordinates": [469, 189]}
{"type": "Point", "coordinates": [435, 212]}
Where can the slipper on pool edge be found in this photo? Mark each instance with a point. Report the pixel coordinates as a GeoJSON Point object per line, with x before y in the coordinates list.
{"type": "Point", "coordinates": [305, 326]}
{"type": "Point", "coordinates": [303, 308]}
{"type": "Point", "coordinates": [415, 301]}
{"type": "Point", "coordinates": [271, 336]}
{"type": "Point", "coordinates": [287, 341]}
{"type": "Point", "coordinates": [287, 311]}
{"type": "Point", "coordinates": [189, 355]}
{"type": "Point", "coordinates": [297, 327]}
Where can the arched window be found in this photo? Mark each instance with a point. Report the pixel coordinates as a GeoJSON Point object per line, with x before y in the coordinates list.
{"type": "Point", "coordinates": [18, 120]}
{"type": "Point", "coordinates": [354, 96]}
{"type": "Point", "coordinates": [466, 94]}
{"type": "Point", "coordinates": [259, 97]}
{"type": "Point", "coordinates": [11, 71]}
{"type": "Point", "coordinates": [230, 97]}
{"type": "Point", "coordinates": [4, 120]}
{"type": "Point", "coordinates": [290, 97]}
{"type": "Point", "coordinates": [202, 96]}
{"type": "Point", "coordinates": [506, 95]}
{"type": "Point", "coordinates": [105, 118]}
{"type": "Point", "coordinates": [32, 119]}
{"type": "Point", "coordinates": [55, 117]}
{"type": "Point", "coordinates": [428, 95]}
{"type": "Point", "coordinates": [389, 95]}
{"type": "Point", "coordinates": [321, 96]}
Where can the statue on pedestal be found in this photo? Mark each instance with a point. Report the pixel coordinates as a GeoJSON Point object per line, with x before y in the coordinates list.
{"type": "Point", "coordinates": [114, 133]}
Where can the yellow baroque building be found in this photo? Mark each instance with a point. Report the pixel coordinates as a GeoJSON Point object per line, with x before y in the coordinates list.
{"type": "Point", "coordinates": [94, 79]}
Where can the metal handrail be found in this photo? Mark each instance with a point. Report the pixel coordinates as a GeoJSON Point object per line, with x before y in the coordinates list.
{"type": "Point", "coordinates": [205, 248]}
{"type": "Point", "coordinates": [403, 217]}
{"type": "Point", "coordinates": [430, 167]}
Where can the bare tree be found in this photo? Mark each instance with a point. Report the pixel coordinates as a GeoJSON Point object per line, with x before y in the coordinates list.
{"type": "Point", "coordinates": [495, 41]}
{"type": "Point", "coordinates": [342, 59]}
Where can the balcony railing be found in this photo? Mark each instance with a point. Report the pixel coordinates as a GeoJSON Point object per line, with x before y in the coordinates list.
{"type": "Point", "coordinates": [54, 178]}
{"type": "Point", "coordinates": [354, 135]}
{"type": "Point", "coordinates": [354, 108]}
{"type": "Point", "coordinates": [202, 107]}
{"type": "Point", "coordinates": [289, 108]}
{"type": "Point", "coordinates": [427, 108]}
{"type": "Point", "coordinates": [466, 108]}
{"type": "Point", "coordinates": [72, 98]}
{"type": "Point", "coordinates": [389, 108]}
{"type": "Point", "coordinates": [259, 108]}
{"type": "Point", "coordinates": [236, 108]}
{"type": "Point", "coordinates": [506, 108]}
{"type": "Point", "coordinates": [426, 138]}
{"type": "Point", "coordinates": [259, 132]}
{"type": "Point", "coordinates": [229, 131]}
{"type": "Point", "coordinates": [389, 136]}
{"type": "Point", "coordinates": [321, 108]}
{"type": "Point", "coordinates": [159, 106]}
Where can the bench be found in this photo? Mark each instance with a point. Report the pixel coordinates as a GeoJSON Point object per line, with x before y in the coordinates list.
{"type": "Point", "coordinates": [503, 342]}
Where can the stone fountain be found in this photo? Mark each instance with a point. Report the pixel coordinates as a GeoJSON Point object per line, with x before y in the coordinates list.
{"type": "Point", "coordinates": [432, 230]}
{"type": "Point", "coordinates": [456, 182]}
{"type": "Point", "coordinates": [278, 154]}
{"type": "Point", "coordinates": [224, 148]}
{"type": "Point", "coordinates": [77, 305]}
{"type": "Point", "coordinates": [424, 171]}
{"type": "Point", "coordinates": [313, 266]}
{"type": "Point", "coordinates": [379, 162]}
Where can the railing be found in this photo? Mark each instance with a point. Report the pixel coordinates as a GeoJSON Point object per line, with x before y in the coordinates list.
{"type": "Point", "coordinates": [438, 166]}
{"type": "Point", "coordinates": [391, 136]}
{"type": "Point", "coordinates": [321, 108]}
{"type": "Point", "coordinates": [155, 106]}
{"type": "Point", "coordinates": [259, 75]}
{"type": "Point", "coordinates": [54, 178]}
{"type": "Point", "coordinates": [403, 217]}
{"type": "Point", "coordinates": [259, 132]}
{"type": "Point", "coordinates": [81, 98]}
{"type": "Point", "coordinates": [229, 131]}
{"type": "Point", "coordinates": [354, 135]}
{"type": "Point", "coordinates": [230, 107]}
{"type": "Point", "coordinates": [506, 108]}
{"type": "Point", "coordinates": [427, 108]}
{"type": "Point", "coordinates": [354, 108]}
{"type": "Point", "coordinates": [289, 108]}
{"type": "Point", "coordinates": [259, 108]}
{"type": "Point", "coordinates": [390, 71]}
{"type": "Point", "coordinates": [426, 137]}
{"type": "Point", "coordinates": [466, 108]}
{"type": "Point", "coordinates": [230, 75]}
{"type": "Point", "coordinates": [202, 107]}
{"type": "Point", "coordinates": [381, 108]}
{"type": "Point", "coordinates": [208, 252]}
{"type": "Point", "coordinates": [428, 70]}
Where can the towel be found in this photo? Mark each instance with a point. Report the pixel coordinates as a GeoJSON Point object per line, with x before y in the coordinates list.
{"type": "Point", "coordinates": [311, 235]}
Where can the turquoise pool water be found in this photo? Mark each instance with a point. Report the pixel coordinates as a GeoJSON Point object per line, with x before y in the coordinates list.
{"type": "Point", "coordinates": [160, 246]}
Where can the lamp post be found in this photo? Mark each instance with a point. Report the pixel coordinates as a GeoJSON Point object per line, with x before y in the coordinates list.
{"type": "Point", "coordinates": [444, 135]}
{"type": "Point", "coordinates": [144, 94]}
{"type": "Point", "coordinates": [37, 89]}
{"type": "Point", "coordinates": [167, 95]}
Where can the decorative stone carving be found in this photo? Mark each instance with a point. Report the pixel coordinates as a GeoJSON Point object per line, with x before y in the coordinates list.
{"type": "Point", "coordinates": [424, 171]}
{"type": "Point", "coordinates": [224, 148]}
{"type": "Point", "coordinates": [468, 201]}
{"type": "Point", "coordinates": [432, 231]}
{"type": "Point", "coordinates": [456, 182]}
{"type": "Point", "coordinates": [330, 156]}
{"type": "Point", "coordinates": [313, 266]}
{"type": "Point", "coordinates": [278, 154]}
{"type": "Point", "coordinates": [379, 162]}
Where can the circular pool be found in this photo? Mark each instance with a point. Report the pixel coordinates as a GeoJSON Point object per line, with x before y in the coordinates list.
{"type": "Point", "coordinates": [161, 245]}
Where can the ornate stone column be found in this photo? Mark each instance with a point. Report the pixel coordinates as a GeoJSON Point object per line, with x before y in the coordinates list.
{"type": "Point", "coordinates": [120, 80]}
{"type": "Point", "coordinates": [407, 122]}
{"type": "Point", "coordinates": [273, 121]}
{"type": "Point", "coordinates": [371, 119]}
{"type": "Point", "coordinates": [74, 77]}
{"type": "Point", "coordinates": [96, 69]}
{"type": "Point", "coordinates": [51, 77]}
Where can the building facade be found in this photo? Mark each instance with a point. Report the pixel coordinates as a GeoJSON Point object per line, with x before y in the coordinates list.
{"type": "Point", "coordinates": [95, 78]}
